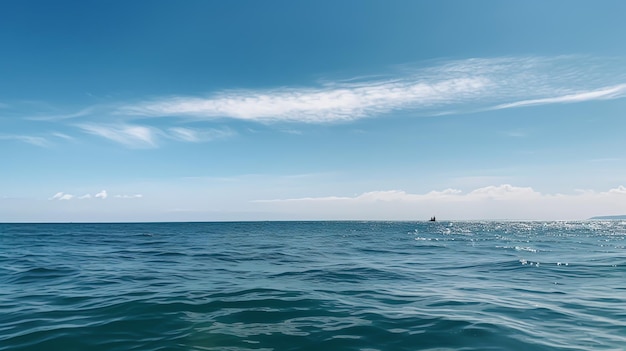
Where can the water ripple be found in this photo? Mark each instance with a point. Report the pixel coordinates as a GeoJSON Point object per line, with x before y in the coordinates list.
{"type": "Point", "coordinates": [462, 286]}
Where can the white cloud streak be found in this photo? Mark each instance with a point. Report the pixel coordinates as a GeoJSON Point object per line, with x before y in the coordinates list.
{"type": "Point", "coordinates": [198, 135]}
{"type": "Point", "coordinates": [133, 136]}
{"type": "Point", "coordinates": [100, 195]}
{"type": "Point", "coordinates": [58, 117]}
{"type": "Point", "coordinates": [29, 139]}
{"type": "Point", "coordinates": [137, 136]}
{"type": "Point", "coordinates": [63, 136]}
{"type": "Point", "coordinates": [606, 93]}
{"type": "Point", "coordinates": [452, 87]}
{"type": "Point", "coordinates": [463, 85]}
{"type": "Point", "coordinates": [318, 105]}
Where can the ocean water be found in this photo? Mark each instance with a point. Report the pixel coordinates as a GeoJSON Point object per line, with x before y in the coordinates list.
{"type": "Point", "coordinates": [314, 286]}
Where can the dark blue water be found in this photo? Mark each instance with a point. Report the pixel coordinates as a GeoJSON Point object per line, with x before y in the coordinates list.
{"type": "Point", "coordinates": [314, 286]}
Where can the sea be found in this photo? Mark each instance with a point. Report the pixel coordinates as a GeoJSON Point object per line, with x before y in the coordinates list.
{"type": "Point", "coordinates": [444, 286]}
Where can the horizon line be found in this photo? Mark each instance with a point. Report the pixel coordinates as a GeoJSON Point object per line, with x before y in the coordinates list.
{"type": "Point", "coordinates": [594, 218]}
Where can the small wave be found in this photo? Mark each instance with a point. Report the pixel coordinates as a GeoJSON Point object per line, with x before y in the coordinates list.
{"type": "Point", "coordinates": [454, 286]}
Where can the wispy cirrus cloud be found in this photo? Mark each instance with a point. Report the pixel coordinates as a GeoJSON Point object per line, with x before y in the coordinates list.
{"type": "Point", "coordinates": [605, 93]}
{"type": "Point", "coordinates": [62, 136]}
{"type": "Point", "coordinates": [494, 83]}
{"type": "Point", "coordinates": [133, 136]}
{"type": "Point", "coordinates": [193, 135]}
{"type": "Point", "coordinates": [29, 139]}
{"type": "Point", "coordinates": [441, 88]}
{"type": "Point", "coordinates": [58, 117]}
{"type": "Point", "coordinates": [141, 136]}
{"type": "Point", "coordinates": [316, 105]}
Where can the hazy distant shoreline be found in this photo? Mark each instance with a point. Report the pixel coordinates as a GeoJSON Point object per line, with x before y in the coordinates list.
{"type": "Point", "coordinates": [609, 217]}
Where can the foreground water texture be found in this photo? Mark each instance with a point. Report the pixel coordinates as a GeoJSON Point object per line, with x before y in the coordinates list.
{"type": "Point", "coordinates": [314, 286]}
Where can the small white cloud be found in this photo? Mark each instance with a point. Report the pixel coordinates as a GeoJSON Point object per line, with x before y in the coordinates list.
{"type": "Point", "coordinates": [86, 196]}
{"type": "Point", "coordinates": [61, 196]}
{"type": "Point", "coordinates": [102, 195]}
{"type": "Point", "coordinates": [56, 196]}
{"type": "Point", "coordinates": [620, 190]}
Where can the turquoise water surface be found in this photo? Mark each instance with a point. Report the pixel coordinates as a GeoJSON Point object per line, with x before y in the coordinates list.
{"type": "Point", "coordinates": [314, 286]}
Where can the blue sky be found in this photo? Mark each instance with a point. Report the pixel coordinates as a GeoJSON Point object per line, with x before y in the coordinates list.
{"type": "Point", "coordinates": [282, 110]}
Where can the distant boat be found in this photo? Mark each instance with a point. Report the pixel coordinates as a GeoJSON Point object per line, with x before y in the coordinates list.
{"type": "Point", "coordinates": [432, 219]}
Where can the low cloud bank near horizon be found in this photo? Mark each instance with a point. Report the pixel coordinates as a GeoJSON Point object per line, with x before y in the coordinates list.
{"type": "Point", "coordinates": [496, 202]}
{"type": "Point", "coordinates": [492, 202]}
